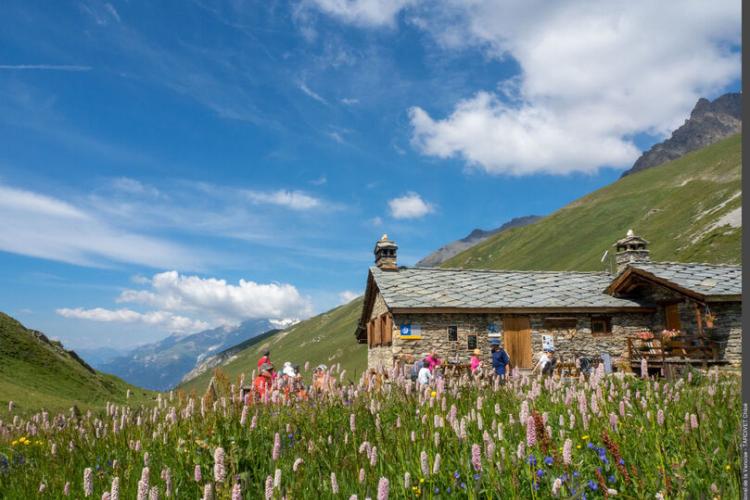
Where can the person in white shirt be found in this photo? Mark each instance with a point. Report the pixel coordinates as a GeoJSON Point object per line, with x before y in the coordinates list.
{"type": "Point", "coordinates": [424, 376]}
{"type": "Point", "coordinates": [544, 359]}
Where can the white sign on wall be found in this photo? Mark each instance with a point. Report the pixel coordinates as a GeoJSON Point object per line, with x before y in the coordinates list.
{"type": "Point", "coordinates": [548, 342]}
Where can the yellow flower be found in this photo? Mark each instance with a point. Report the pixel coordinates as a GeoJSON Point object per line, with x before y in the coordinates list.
{"type": "Point", "coordinates": [27, 443]}
{"type": "Point", "coordinates": [578, 446]}
{"type": "Point", "coordinates": [13, 443]}
{"type": "Point", "coordinates": [585, 437]}
{"type": "Point", "coordinates": [727, 467]}
{"type": "Point", "coordinates": [421, 479]}
{"type": "Point", "coordinates": [433, 394]}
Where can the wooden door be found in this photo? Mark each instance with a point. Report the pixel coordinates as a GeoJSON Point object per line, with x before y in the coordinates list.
{"type": "Point", "coordinates": [517, 340]}
{"type": "Point", "coordinates": [672, 317]}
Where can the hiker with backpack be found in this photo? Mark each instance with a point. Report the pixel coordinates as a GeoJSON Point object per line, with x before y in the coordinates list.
{"type": "Point", "coordinates": [500, 360]}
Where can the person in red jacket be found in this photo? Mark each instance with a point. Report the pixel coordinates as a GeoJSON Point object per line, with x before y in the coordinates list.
{"type": "Point", "coordinates": [263, 381]}
{"type": "Point", "coordinates": [266, 359]}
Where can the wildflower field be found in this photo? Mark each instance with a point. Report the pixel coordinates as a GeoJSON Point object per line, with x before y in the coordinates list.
{"type": "Point", "coordinates": [607, 436]}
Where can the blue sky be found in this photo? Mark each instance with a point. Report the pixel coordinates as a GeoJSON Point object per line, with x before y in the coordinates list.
{"type": "Point", "coordinates": [170, 167]}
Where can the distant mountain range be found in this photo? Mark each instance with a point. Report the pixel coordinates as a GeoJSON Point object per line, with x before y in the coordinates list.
{"type": "Point", "coordinates": [709, 122]}
{"type": "Point", "coordinates": [161, 365]}
{"type": "Point", "coordinates": [476, 236]}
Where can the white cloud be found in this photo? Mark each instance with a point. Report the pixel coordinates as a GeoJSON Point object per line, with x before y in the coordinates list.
{"type": "Point", "coordinates": [363, 12]}
{"type": "Point", "coordinates": [347, 296]}
{"type": "Point", "coordinates": [319, 181]}
{"type": "Point", "coordinates": [161, 319]}
{"type": "Point", "coordinates": [350, 101]}
{"type": "Point", "coordinates": [38, 225]}
{"type": "Point", "coordinates": [46, 67]}
{"type": "Point", "coordinates": [134, 187]}
{"type": "Point", "coordinates": [336, 136]}
{"type": "Point", "coordinates": [409, 206]}
{"type": "Point", "coordinates": [296, 200]}
{"type": "Point", "coordinates": [376, 221]}
{"type": "Point", "coordinates": [212, 297]}
{"type": "Point", "coordinates": [307, 90]}
{"type": "Point", "coordinates": [592, 76]}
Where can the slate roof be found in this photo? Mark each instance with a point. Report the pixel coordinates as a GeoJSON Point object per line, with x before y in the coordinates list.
{"type": "Point", "coordinates": [468, 288]}
{"type": "Point", "coordinates": [709, 280]}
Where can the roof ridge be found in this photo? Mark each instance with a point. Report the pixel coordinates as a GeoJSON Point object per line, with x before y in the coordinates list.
{"type": "Point", "coordinates": [672, 263]}
{"type": "Point", "coordinates": [529, 271]}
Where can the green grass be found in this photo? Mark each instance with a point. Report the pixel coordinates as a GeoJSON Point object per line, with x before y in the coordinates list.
{"type": "Point", "coordinates": [327, 338]}
{"type": "Point", "coordinates": [35, 374]}
{"type": "Point", "coordinates": [672, 206]}
{"type": "Point", "coordinates": [618, 433]}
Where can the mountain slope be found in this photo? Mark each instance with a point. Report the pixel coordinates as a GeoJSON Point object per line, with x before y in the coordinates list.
{"type": "Point", "coordinates": [327, 338]}
{"type": "Point", "coordinates": [476, 236]}
{"type": "Point", "coordinates": [162, 365]}
{"type": "Point", "coordinates": [36, 372]}
{"type": "Point", "coordinates": [709, 122]}
{"type": "Point", "coordinates": [689, 209]}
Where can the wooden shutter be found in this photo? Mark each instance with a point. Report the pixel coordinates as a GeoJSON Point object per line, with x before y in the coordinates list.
{"type": "Point", "coordinates": [377, 332]}
{"type": "Point", "coordinates": [369, 334]}
{"type": "Point", "coordinates": [672, 317]}
{"type": "Point", "coordinates": [387, 329]}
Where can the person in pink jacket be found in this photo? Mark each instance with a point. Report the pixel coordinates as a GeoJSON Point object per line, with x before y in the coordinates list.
{"type": "Point", "coordinates": [432, 361]}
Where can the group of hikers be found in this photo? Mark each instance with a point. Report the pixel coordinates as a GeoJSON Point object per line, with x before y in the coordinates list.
{"type": "Point", "coordinates": [425, 369]}
{"type": "Point", "coordinates": [289, 380]}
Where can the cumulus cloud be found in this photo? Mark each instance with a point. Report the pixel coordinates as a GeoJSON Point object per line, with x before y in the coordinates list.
{"type": "Point", "coordinates": [409, 206]}
{"type": "Point", "coordinates": [212, 297]}
{"type": "Point", "coordinates": [347, 296]}
{"type": "Point", "coordinates": [42, 226]}
{"type": "Point", "coordinates": [296, 200]}
{"type": "Point", "coordinates": [161, 319]}
{"type": "Point", "coordinates": [592, 75]}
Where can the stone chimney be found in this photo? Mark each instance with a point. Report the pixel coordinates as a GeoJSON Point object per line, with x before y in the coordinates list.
{"type": "Point", "coordinates": [631, 248]}
{"type": "Point", "coordinates": [385, 254]}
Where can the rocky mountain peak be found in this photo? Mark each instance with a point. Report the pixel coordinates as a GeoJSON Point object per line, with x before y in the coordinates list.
{"type": "Point", "coordinates": [709, 122]}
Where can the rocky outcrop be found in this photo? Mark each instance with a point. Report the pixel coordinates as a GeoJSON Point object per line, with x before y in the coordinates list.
{"type": "Point", "coordinates": [709, 122]}
{"type": "Point", "coordinates": [476, 236]}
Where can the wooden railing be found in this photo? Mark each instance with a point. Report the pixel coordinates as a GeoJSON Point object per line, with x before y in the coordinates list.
{"type": "Point", "coordinates": [684, 346]}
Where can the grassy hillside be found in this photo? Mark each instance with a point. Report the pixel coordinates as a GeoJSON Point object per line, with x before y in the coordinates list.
{"type": "Point", "coordinates": [38, 373]}
{"type": "Point", "coordinates": [327, 338]}
{"type": "Point", "coordinates": [681, 207]}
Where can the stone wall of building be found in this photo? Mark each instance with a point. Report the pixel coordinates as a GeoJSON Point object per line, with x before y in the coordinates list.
{"type": "Point", "coordinates": [378, 307]}
{"type": "Point", "coordinates": [380, 357]}
{"type": "Point", "coordinates": [729, 318]}
{"type": "Point", "coordinates": [570, 343]}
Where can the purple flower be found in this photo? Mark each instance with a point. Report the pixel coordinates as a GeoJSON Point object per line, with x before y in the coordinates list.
{"type": "Point", "coordinates": [548, 460]}
{"type": "Point", "coordinates": [592, 485]}
{"type": "Point", "coordinates": [383, 487]}
{"type": "Point", "coordinates": [532, 460]}
{"type": "Point", "coordinates": [539, 472]}
{"type": "Point", "coordinates": [476, 456]}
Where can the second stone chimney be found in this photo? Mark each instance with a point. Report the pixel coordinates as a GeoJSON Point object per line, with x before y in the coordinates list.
{"type": "Point", "coordinates": [631, 248]}
{"type": "Point", "coordinates": [385, 254]}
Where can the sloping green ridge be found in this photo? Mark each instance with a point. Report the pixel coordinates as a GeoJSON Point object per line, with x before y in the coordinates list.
{"type": "Point", "coordinates": [327, 338]}
{"type": "Point", "coordinates": [37, 373]}
{"type": "Point", "coordinates": [675, 206]}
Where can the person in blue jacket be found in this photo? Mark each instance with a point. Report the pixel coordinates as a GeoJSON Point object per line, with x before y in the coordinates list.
{"type": "Point", "coordinates": [500, 360]}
